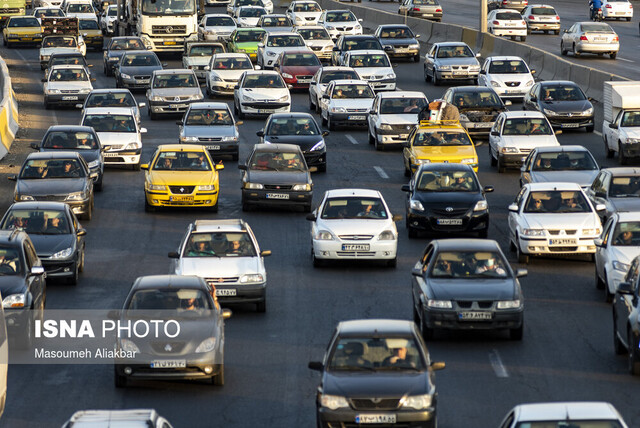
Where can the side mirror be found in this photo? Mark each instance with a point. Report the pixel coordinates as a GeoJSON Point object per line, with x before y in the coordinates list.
{"type": "Point", "coordinates": [276, 65]}
{"type": "Point", "coordinates": [359, 19]}
{"type": "Point", "coordinates": [336, 49]}
{"type": "Point", "coordinates": [488, 189]}
{"type": "Point", "coordinates": [81, 232]}
{"type": "Point", "coordinates": [513, 208]}
{"type": "Point", "coordinates": [93, 175]}
{"type": "Point", "coordinates": [387, 48]}
{"type": "Point", "coordinates": [93, 79]}
{"type": "Point", "coordinates": [437, 365]}
{"type": "Point", "coordinates": [165, 64]}
{"type": "Point", "coordinates": [289, 87]}
{"type": "Point", "coordinates": [257, 67]}
{"type": "Point", "coordinates": [236, 87]}
{"type": "Point", "coordinates": [495, 133]}
{"type": "Point", "coordinates": [260, 133]}
{"type": "Point", "coordinates": [613, 125]}
{"type": "Point", "coordinates": [417, 36]}
{"type": "Point", "coordinates": [565, 31]}
{"type": "Point", "coordinates": [405, 188]}
{"type": "Point", "coordinates": [219, 167]}
{"type": "Point", "coordinates": [325, 97]}
{"type": "Point", "coordinates": [558, 132]}
{"type": "Point", "coordinates": [265, 253]}
{"type": "Point", "coordinates": [260, 45]}
{"type": "Point", "coordinates": [396, 217]}
{"type": "Point", "coordinates": [624, 288]}
{"type": "Point", "coordinates": [226, 314]}
{"type": "Point", "coordinates": [144, 166]}
{"type": "Point", "coordinates": [173, 255]}
{"type": "Point", "coordinates": [313, 169]}
{"type": "Point", "coordinates": [598, 242]}
{"type": "Point", "coordinates": [179, 122]}
{"type": "Point", "coordinates": [483, 71]}
{"type": "Point", "coordinates": [533, 99]}
{"type": "Point", "coordinates": [238, 123]}
{"type": "Point", "coordinates": [311, 217]}
{"type": "Point", "coordinates": [12, 178]}
{"type": "Point", "coordinates": [533, 71]}
{"type": "Point", "coordinates": [521, 272]}
{"type": "Point", "coordinates": [478, 55]}
{"type": "Point", "coordinates": [316, 365]}
{"type": "Point", "coordinates": [242, 167]}
{"type": "Point", "coordinates": [37, 270]}
{"type": "Point", "coordinates": [325, 133]}
{"type": "Point", "coordinates": [143, 130]}
{"type": "Point", "coordinates": [35, 146]}
{"type": "Point", "coordinates": [601, 207]}
{"type": "Point", "coordinates": [600, 195]}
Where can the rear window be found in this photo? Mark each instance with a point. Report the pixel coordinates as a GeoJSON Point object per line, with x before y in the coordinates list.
{"type": "Point", "coordinates": [118, 99]}
{"type": "Point", "coordinates": [24, 22]}
{"type": "Point", "coordinates": [219, 21]}
{"type": "Point", "coordinates": [88, 24]}
{"type": "Point", "coordinates": [329, 76]}
{"type": "Point", "coordinates": [506, 16]}
{"type": "Point", "coordinates": [543, 11]}
{"type": "Point", "coordinates": [110, 122]}
{"type": "Point", "coordinates": [178, 80]}
{"type": "Point", "coordinates": [71, 140]}
{"type": "Point", "coordinates": [301, 60]}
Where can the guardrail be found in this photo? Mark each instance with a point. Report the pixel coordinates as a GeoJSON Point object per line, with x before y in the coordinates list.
{"type": "Point", "coordinates": [8, 111]}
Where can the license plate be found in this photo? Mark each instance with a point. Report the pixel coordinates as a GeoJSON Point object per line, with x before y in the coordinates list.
{"type": "Point", "coordinates": [27, 39]}
{"type": "Point", "coordinates": [459, 73]}
{"type": "Point", "coordinates": [474, 316]}
{"type": "Point", "coordinates": [213, 147]}
{"type": "Point", "coordinates": [449, 221]}
{"type": "Point", "coordinates": [111, 155]}
{"type": "Point", "coordinates": [563, 242]}
{"type": "Point", "coordinates": [175, 105]}
{"type": "Point", "coordinates": [226, 292]}
{"type": "Point", "coordinates": [356, 117]}
{"type": "Point", "coordinates": [375, 419]}
{"type": "Point", "coordinates": [570, 125]}
{"type": "Point", "coordinates": [181, 198]}
{"type": "Point", "coordinates": [169, 43]}
{"type": "Point", "coordinates": [168, 364]}
{"type": "Point", "coordinates": [511, 91]}
{"type": "Point", "coordinates": [69, 98]}
{"type": "Point", "coordinates": [264, 110]}
{"type": "Point", "coordinates": [355, 247]}
{"type": "Point", "coordinates": [427, 14]}
{"type": "Point", "coordinates": [599, 39]}
{"type": "Point", "coordinates": [277, 196]}
{"type": "Point", "coordinates": [304, 80]}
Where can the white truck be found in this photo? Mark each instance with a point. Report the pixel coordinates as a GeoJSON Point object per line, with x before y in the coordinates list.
{"type": "Point", "coordinates": [164, 25]}
{"type": "Point", "coordinates": [621, 125]}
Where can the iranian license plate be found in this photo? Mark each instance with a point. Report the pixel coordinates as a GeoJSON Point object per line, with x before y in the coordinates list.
{"type": "Point", "coordinates": [511, 91]}
{"type": "Point", "coordinates": [459, 73]}
{"type": "Point", "coordinates": [181, 198]}
{"type": "Point", "coordinates": [176, 106]}
{"type": "Point", "coordinates": [474, 316]}
{"type": "Point", "coordinates": [563, 242]}
{"type": "Point", "coordinates": [216, 147]}
{"type": "Point", "coordinates": [69, 98]}
{"type": "Point", "coordinates": [277, 196]}
{"type": "Point", "coordinates": [265, 110]}
{"type": "Point", "coordinates": [226, 292]}
{"type": "Point", "coordinates": [376, 419]}
{"type": "Point", "coordinates": [111, 155]}
{"type": "Point", "coordinates": [304, 80]}
{"type": "Point", "coordinates": [168, 364]}
{"type": "Point", "coordinates": [357, 117]}
{"type": "Point", "coordinates": [449, 221]}
{"type": "Point", "coordinates": [599, 39]}
{"type": "Point", "coordinates": [427, 14]}
{"type": "Point", "coordinates": [570, 125]}
{"type": "Point", "coordinates": [169, 43]}
{"type": "Point", "coordinates": [27, 39]}
{"type": "Point", "coordinates": [355, 247]}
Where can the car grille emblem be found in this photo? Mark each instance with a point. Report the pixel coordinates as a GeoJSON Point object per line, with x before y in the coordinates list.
{"type": "Point", "coordinates": [569, 114]}
{"type": "Point", "coordinates": [168, 347]}
{"type": "Point", "coordinates": [277, 187]}
{"type": "Point", "coordinates": [176, 99]}
{"type": "Point", "coordinates": [376, 400]}
{"type": "Point", "coordinates": [408, 127]}
{"type": "Point", "coordinates": [182, 190]}
{"type": "Point", "coordinates": [169, 29]}
{"type": "Point", "coordinates": [449, 209]}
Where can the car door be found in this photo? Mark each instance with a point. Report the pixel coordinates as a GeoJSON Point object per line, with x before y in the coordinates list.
{"type": "Point", "coordinates": [372, 118]}
{"type": "Point", "coordinates": [494, 135]}
{"type": "Point", "coordinates": [318, 211]}
{"type": "Point", "coordinates": [514, 217]}
{"type": "Point", "coordinates": [313, 89]}
{"type": "Point", "coordinates": [602, 252]}
{"type": "Point", "coordinates": [623, 304]}
{"type": "Point", "coordinates": [429, 60]}
{"type": "Point", "coordinates": [35, 283]}
{"type": "Point", "coordinates": [419, 283]}
{"type": "Point", "coordinates": [482, 78]}
{"type": "Point", "coordinates": [408, 149]}
{"type": "Point", "coordinates": [324, 102]}
{"type": "Point", "coordinates": [527, 165]}
{"type": "Point", "coordinates": [531, 98]}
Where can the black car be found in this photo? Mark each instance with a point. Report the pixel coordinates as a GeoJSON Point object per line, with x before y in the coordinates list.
{"type": "Point", "coordinates": [67, 58]}
{"type": "Point", "coordinates": [478, 106]}
{"type": "Point", "coordinates": [198, 350]}
{"type": "Point", "coordinates": [466, 284]}
{"type": "Point", "coordinates": [446, 198]}
{"type": "Point", "coordinates": [135, 68]}
{"type": "Point", "coordinates": [276, 175]}
{"type": "Point", "coordinates": [379, 372]}
{"type": "Point", "coordinates": [626, 318]}
{"type": "Point", "coordinates": [61, 176]}
{"type": "Point", "coordinates": [116, 48]}
{"type": "Point", "coordinates": [300, 129]}
{"type": "Point", "coordinates": [399, 41]}
{"type": "Point", "coordinates": [22, 285]}
{"type": "Point", "coordinates": [55, 233]}
{"type": "Point", "coordinates": [352, 43]}
{"type": "Point", "coordinates": [82, 139]}
{"type": "Point", "coordinates": [563, 102]}
{"type": "Point", "coordinates": [617, 188]}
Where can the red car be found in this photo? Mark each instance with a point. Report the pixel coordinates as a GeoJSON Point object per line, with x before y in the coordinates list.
{"type": "Point", "coordinates": [297, 67]}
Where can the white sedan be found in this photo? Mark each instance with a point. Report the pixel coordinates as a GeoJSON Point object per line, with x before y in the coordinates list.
{"type": "Point", "coordinates": [617, 9]}
{"type": "Point", "coordinates": [509, 76]}
{"type": "Point", "coordinates": [318, 39]}
{"type": "Point", "coordinates": [273, 44]}
{"type": "Point", "coordinates": [374, 67]}
{"type": "Point", "coordinates": [321, 80]}
{"type": "Point", "coordinates": [108, 18]}
{"type": "Point", "coordinates": [553, 219]}
{"type": "Point", "coordinates": [248, 16]}
{"type": "Point", "coordinates": [340, 22]}
{"type": "Point", "coordinates": [507, 22]}
{"type": "Point", "coordinates": [224, 71]}
{"type": "Point", "coordinates": [346, 103]}
{"type": "Point", "coordinates": [261, 92]}
{"type": "Point", "coordinates": [352, 224]}
{"type": "Point", "coordinates": [617, 247]}
{"type": "Point", "coordinates": [590, 37]}
{"type": "Point", "coordinates": [216, 26]}
{"type": "Point", "coordinates": [304, 12]}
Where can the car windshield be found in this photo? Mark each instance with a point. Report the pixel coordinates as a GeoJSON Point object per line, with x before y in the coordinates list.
{"type": "Point", "coordinates": [285, 41]}
{"type": "Point", "coordinates": [508, 67]}
{"type": "Point", "coordinates": [556, 201]}
{"type": "Point", "coordinates": [547, 11]}
{"type": "Point", "coordinates": [117, 99]}
{"type": "Point", "coordinates": [352, 91]}
{"type": "Point", "coordinates": [630, 118]}
{"type": "Point", "coordinates": [447, 181]}
{"type": "Point", "coordinates": [344, 16]}
{"type": "Point", "coordinates": [369, 60]}
{"type": "Point", "coordinates": [462, 51]}
{"type": "Point", "coordinates": [279, 21]}
{"type": "Point", "coordinates": [441, 138]}
{"type": "Point", "coordinates": [79, 8]}
{"type": "Point", "coordinates": [126, 44]}
{"type": "Point", "coordinates": [396, 33]}
{"type": "Point", "coordinates": [627, 233]}
{"type": "Point", "coordinates": [140, 60]}
{"type": "Point", "coordinates": [110, 122]}
{"type": "Point", "coordinates": [263, 81]}
{"type": "Point", "coordinates": [38, 221]}
{"type": "Point", "coordinates": [329, 76]}
{"type": "Point", "coordinates": [565, 161]}
{"type": "Point", "coordinates": [177, 80]}
{"type": "Point", "coordinates": [402, 105]}
{"type": "Point", "coordinates": [561, 93]}
{"type": "Point", "coordinates": [277, 161]}
{"type": "Point", "coordinates": [625, 187]}
{"type": "Point", "coordinates": [66, 59]}
{"type": "Point", "coordinates": [88, 24]}
{"type": "Point", "coordinates": [293, 126]}
{"type": "Point", "coordinates": [48, 12]}
{"type": "Point", "coordinates": [582, 423]}
{"type": "Point", "coordinates": [70, 140]}
{"type": "Point", "coordinates": [527, 126]}
{"type": "Point", "coordinates": [354, 207]}
{"type": "Point", "coordinates": [59, 42]}
{"type": "Point", "coordinates": [475, 99]}
{"type": "Point", "coordinates": [219, 21]}
{"type": "Point", "coordinates": [508, 16]}
{"type": "Point", "coordinates": [175, 299]}
{"type": "Point", "coordinates": [249, 36]}
{"type": "Point", "coordinates": [307, 7]}
{"type": "Point", "coordinates": [219, 244]}
{"type": "Point", "coordinates": [397, 353]}
{"type": "Point", "coordinates": [208, 117]}
{"type": "Point", "coordinates": [113, 11]}
{"type": "Point", "coordinates": [169, 7]}
{"type": "Point", "coordinates": [9, 261]}
{"type": "Point", "coordinates": [251, 12]}
{"type": "Point", "coordinates": [240, 63]}
{"type": "Point", "coordinates": [23, 22]}
{"type": "Point", "coordinates": [597, 28]}
{"type": "Point", "coordinates": [68, 75]}
{"type": "Point", "coordinates": [362, 44]}
{"type": "Point", "coordinates": [314, 34]}
{"type": "Point", "coordinates": [52, 168]}
{"type": "Point", "coordinates": [249, 3]}
{"type": "Point", "coordinates": [182, 161]}
{"type": "Point", "coordinates": [469, 265]}
{"type": "Point", "coordinates": [205, 50]}
{"type": "Point", "coordinates": [301, 60]}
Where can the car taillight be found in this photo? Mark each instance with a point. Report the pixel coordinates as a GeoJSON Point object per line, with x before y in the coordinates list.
{"type": "Point", "coordinates": [505, 2]}
{"type": "Point", "coordinates": [608, 6]}
{"type": "Point", "coordinates": [523, 23]}
{"type": "Point", "coordinates": [532, 17]}
{"type": "Point", "coordinates": [615, 39]}
{"type": "Point", "coordinates": [438, 10]}
{"type": "Point", "coordinates": [557, 18]}
{"type": "Point", "coordinates": [416, 9]}
{"type": "Point", "coordinates": [584, 38]}
{"type": "Point", "coordinates": [496, 22]}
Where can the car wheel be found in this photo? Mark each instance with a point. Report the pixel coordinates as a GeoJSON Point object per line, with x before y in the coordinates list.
{"type": "Point", "coordinates": [379, 147]}
{"type": "Point", "coordinates": [494, 161]}
{"type": "Point", "coordinates": [261, 307]}
{"type": "Point", "coordinates": [600, 285]}
{"type": "Point", "coordinates": [513, 38]}
{"type": "Point", "coordinates": [316, 261]}
{"type": "Point", "coordinates": [407, 171]}
{"type": "Point", "coordinates": [416, 316]}
{"type": "Point", "coordinates": [607, 150]}
{"type": "Point", "coordinates": [484, 233]}
{"type": "Point", "coordinates": [120, 381]}
{"type": "Point", "coordinates": [25, 340]}
{"type": "Point", "coordinates": [148, 207]}
{"type": "Point", "coordinates": [152, 115]}
{"type": "Point", "coordinates": [622, 159]}
{"type": "Point", "coordinates": [427, 78]}
{"type": "Point", "coordinates": [500, 164]}
{"type": "Point", "coordinates": [427, 333]}
{"type": "Point", "coordinates": [81, 261]}
{"type": "Point", "coordinates": [47, 106]}
{"type": "Point", "coordinates": [608, 296]}
{"type": "Point", "coordinates": [589, 128]}
{"type": "Point", "coordinates": [393, 262]}
{"type": "Point", "coordinates": [523, 39]}
{"type": "Point", "coordinates": [312, 106]}
{"type": "Point", "coordinates": [516, 333]}
{"type": "Point", "coordinates": [87, 216]}
{"type": "Point", "coordinates": [528, 31]}
{"type": "Point", "coordinates": [436, 82]}
{"type": "Point", "coordinates": [633, 363]}
{"type": "Point", "coordinates": [98, 186]}
{"type": "Point", "coordinates": [372, 139]}
{"type": "Point", "coordinates": [330, 124]}
{"type": "Point", "coordinates": [522, 257]}
{"type": "Point", "coordinates": [562, 49]}
{"type": "Point", "coordinates": [73, 279]}
{"type": "Point", "coordinates": [218, 380]}
{"type": "Point", "coordinates": [575, 53]}
{"type": "Point", "coordinates": [512, 246]}
{"type": "Point", "coordinates": [4, 41]}
{"type": "Point", "coordinates": [241, 115]}
{"type": "Point", "coordinates": [246, 206]}
{"type": "Point", "coordinates": [416, 58]}
{"type": "Point", "coordinates": [214, 207]}
{"type": "Point", "coordinates": [136, 166]}
{"type": "Point", "coordinates": [613, 55]}
{"type": "Point", "coordinates": [413, 233]}
{"type": "Point", "coordinates": [318, 109]}
{"type": "Point", "coordinates": [618, 346]}
{"type": "Point", "coordinates": [556, 32]}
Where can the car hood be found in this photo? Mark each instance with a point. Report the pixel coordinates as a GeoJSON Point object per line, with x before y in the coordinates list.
{"type": "Point", "coordinates": [11, 284]}
{"type": "Point", "coordinates": [50, 186]}
{"type": "Point", "coordinates": [278, 177]}
{"type": "Point", "coordinates": [249, 21]}
{"type": "Point", "coordinates": [70, 86]}
{"type": "Point", "coordinates": [197, 60]}
{"type": "Point", "coordinates": [357, 103]}
{"type": "Point", "coordinates": [182, 178]}
{"type": "Point", "coordinates": [473, 289]}
{"type": "Point", "coordinates": [360, 226]}
{"type": "Point", "coordinates": [322, 43]}
{"type": "Point", "coordinates": [583, 178]}
{"type": "Point", "coordinates": [300, 70]}
{"type": "Point", "coordinates": [82, 15]}
{"type": "Point", "coordinates": [632, 131]}
{"type": "Point", "coordinates": [566, 106]}
{"type": "Point", "coordinates": [376, 384]}
{"type": "Point", "coordinates": [115, 54]}
{"type": "Point", "coordinates": [625, 204]}
{"type": "Point", "coordinates": [522, 78]}
{"type": "Point", "coordinates": [218, 266]}
{"type": "Point", "coordinates": [394, 42]}
{"type": "Point", "coordinates": [175, 92]}
{"type": "Point", "coordinates": [457, 61]}
{"type": "Point", "coordinates": [87, 155]}
{"type": "Point", "coordinates": [457, 199]}
{"type": "Point", "coordinates": [46, 245]}
{"type": "Point", "coordinates": [138, 70]}
{"type": "Point", "coordinates": [51, 51]}
{"type": "Point", "coordinates": [624, 254]}
{"type": "Point", "coordinates": [117, 138]}
{"type": "Point", "coordinates": [278, 49]}
{"type": "Point", "coordinates": [400, 119]}
{"type": "Point", "coordinates": [444, 152]}
{"type": "Point", "coordinates": [24, 30]}
{"type": "Point", "coordinates": [209, 131]}
{"type": "Point", "coordinates": [561, 221]}
{"type": "Point", "coordinates": [529, 141]}
{"type": "Point", "coordinates": [265, 93]}
{"type": "Point", "coordinates": [304, 141]}
{"type": "Point", "coordinates": [228, 74]}
{"type": "Point", "coordinates": [247, 46]}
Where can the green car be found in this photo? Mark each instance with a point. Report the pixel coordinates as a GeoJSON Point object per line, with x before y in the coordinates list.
{"type": "Point", "coordinates": [245, 40]}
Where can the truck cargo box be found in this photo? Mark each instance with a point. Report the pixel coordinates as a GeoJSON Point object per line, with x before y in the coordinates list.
{"type": "Point", "coordinates": [620, 95]}
{"type": "Point", "coordinates": [65, 26]}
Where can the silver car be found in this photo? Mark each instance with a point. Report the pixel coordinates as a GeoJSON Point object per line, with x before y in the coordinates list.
{"type": "Point", "coordinates": [590, 37]}
{"type": "Point", "coordinates": [428, 9]}
{"type": "Point", "coordinates": [451, 61]}
{"type": "Point", "coordinates": [275, 22]}
{"type": "Point", "coordinates": [541, 17]}
{"type": "Point", "coordinates": [571, 164]}
{"type": "Point", "coordinates": [172, 91]}
{"type": "Point", "coordinates": [518, 5]}
{"type": "Point", "coordinates": [213, 126]}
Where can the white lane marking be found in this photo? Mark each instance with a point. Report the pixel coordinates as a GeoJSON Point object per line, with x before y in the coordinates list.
{"type": "Point", "coordinates": [350, 138]}
{"type": "Point", "coordinates": [496, 363]}
{"type": "Point", "coordinates": [598, 133]}
{"type": "Point", "coordinates": [624, 59]}
{"type": "Point", "coordinates": [381, 172]}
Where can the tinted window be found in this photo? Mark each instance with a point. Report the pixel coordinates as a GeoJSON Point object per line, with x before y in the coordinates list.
{"type": "Point", "coordinates": [377, 353]}
{"type": "Point", "coordinates": [506, 16]}
{"type": "Point", "coordinates": [543, 11]}
{"type": "Point", "coordinates": [208, 117]}
{"type": "Point", "coordinates": [293, 126]}
{"type": "Point", "coordinates": [469, 265]}
{"type": "Point", "coordinates": [88, 24]}
{"type": "Point", "coordinates": [447, 181]}
{"type": "Point", "coordinates": [354, 207]}
{"type": "Point", "coordinates": [71, 140]}
{"type": "Point", "coordinates": [564, 161]}
{"type": "Point", "coordinates": [557, 202]}
{"type": "Point", "coordinates": [625, 187]}
{"type": "Point", "coordinates": [110, 122]}
{"type": "Point", "coordinates": [38, 222]}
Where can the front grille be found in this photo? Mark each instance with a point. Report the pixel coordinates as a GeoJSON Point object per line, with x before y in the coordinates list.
{"type": "Point", "coordinates": [344, 28]}
{"type": "Point", "coordinates": [309, 18]}
{"type": "Point", "coordinates": [69, 91]}
{"type": "Point", "coordinates": [357, 110]}
{"type": "Point", "coordinates": [50, 198]}
{"type": "Point", "coordinates": [512, 84]}
{"type": "Point", "coordinates": [525, 150]}
{"type": "Point", "coordinates": [460, 67]}
{"type": "Point", "coordinates": [209, 140]}
{"type": "Point", "coordinates": [277, 187]}
{"type": "Point", "coordinates": [466, 304]}
{"type": "Point", "coordinates": [401, 129]}
{"type": "Point", "coordinates": [455, 212]}
{"type": "Point", "coordinates": [356, 237]}
{"type": "Point", "coordinates": [401, 46]}
{"type": "Point", "coordinates": [557, 232]}
{"type": "Point", "coordinates": [115, 147]}
{"type": "Point", "coordinates": [167, 347]}
{"type": "Point", "coordinates": [147, 77]}
{"type": "Point", "coordinates": [177, 99]}
{"type": "Point", "coordinates": [182, 190]}
{"type": "Point", "coordinates": [316, 48]}
{"type": "Point", "coordinates": [10, 10]}
{"type": "Point", "coordinates": [355, 254]}
{"type": "Point", "coordinates": [214, 281]}
{"type": "Point", "coordinates": [562, 249]}
{"type": "Point", "coordinates": [304, 77]}
{"type": "Point", "coordinates": [168, 29]}
{"type": "Point", "coordinates": [375, 403]}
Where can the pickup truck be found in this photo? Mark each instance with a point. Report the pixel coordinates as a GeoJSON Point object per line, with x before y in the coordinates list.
{"type": "Point", "coordinates": [621, 125]}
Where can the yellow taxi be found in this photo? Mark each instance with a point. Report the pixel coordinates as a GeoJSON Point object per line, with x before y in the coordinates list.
{"type": "Point", "coordinates": [91, 33]}
{"type": "Point", "coordinates": [22, 30]}
{"type": "Point", "coordinates": [438, 142]}
{"type": "Point", "coordinates": [181, 175]}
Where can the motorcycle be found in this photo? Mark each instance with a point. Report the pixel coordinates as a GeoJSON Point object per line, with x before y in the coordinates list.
{"type": "Point", "coordinates": [597, 16]}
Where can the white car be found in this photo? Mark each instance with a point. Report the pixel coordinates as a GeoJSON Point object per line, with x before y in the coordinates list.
{"type": "Point", "coordinates": [304, 12]}
{"type": "Point", "coordinates": [227, 255]}
{"type": "Point", "coordinates": [353, 224]}
{"type": "Point", "coordinates": [318, 40]}
{"type": "Point", "coordinates": [66, 85]}
{"type": "Point", "coordinates": [393, 116]}
{"type": "Point", "coordinates": [617, 247]}
{"type": "Point", "coordinates": [39, 12]}
{"type": "Point", "coordinates": [60, 44]}
{"type": "Point", "coordinates": [374, 67]}
{"type": "Point", "coordinates": [224, 71]}
{"type": "Point", "coordinates": [564, 414]}
{"type": "Point", "coordinates": [272, 23]}
{"type": "Point", "coordinates": [509, 76]}
{"type": "Point", "coordinates": [346, 103]}
{"type": "Point", "coordinates": [507, 22]}
{"type": "Point", "coordinates": [515, 134]}
{"type": "Point", "coordinates": [261, 92]}
{"type": "Point", "coordinates": [541, 17]}
{"type": "Point", "coordinates": [248, 16]}
{"type": "Point", "coordinates": [273, 44]}
{"type": "Point", "coordinates": [339, 22]}
{"type": "Point", "coordinates": [617, 9]}
{"type": "Point", "coordinates": [553, 219]}
{"type": "Point", "coordinates": [119, 133]}
{"type": "Point", "coordinates": [235, 4]}
{"type": "Point", "coordinates": [216, 26]}
{"type": "Point", "coordinates": [108, 18]}
{"type": "Point", "coordinates": [80, 10]}
{"type": "Point", "coordinates": [47, 3]}
{"type": "Point", "coordinates": [321, 80]}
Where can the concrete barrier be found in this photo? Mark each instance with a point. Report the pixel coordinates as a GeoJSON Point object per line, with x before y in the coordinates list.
{"type": "Point", "coordinates": [470, 37]}
{"type": "Point", "coordinates": [488, 44]}
{"type": "Point", "coordinates": [596, 83]}
{"type": "Point", "coordinates": [9, 124]}
{"type": "Point", "coordinates": [580, 77]}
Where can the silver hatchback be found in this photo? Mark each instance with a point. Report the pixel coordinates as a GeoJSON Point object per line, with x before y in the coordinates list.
{"type": "Point", "coordinates": [451, 61]}
{"type": "Point", "coordinates": [172, 91]}
{"type": "Point", "coordinates": [213, 126]}
{"type": "Point", "coordinates": [590, 37]}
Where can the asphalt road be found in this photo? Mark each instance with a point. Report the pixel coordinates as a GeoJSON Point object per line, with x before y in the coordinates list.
{"type": "Point", "coordinates": [466, 12]}
{"type": "Point", "coordinates": [566, 353]}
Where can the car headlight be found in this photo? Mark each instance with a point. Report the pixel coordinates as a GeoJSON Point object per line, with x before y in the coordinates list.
{"type": "Point", "coordinates": [588, 112]}
{"type": "Point", "coordinates": [14, 300]}
{"type": "Point", "coordinates": [113, 59]}
{"type": "Point", "coordinates": [53, 91]}
{"type": "Point", "coordinates": [128, 346]}
{"type": "Point", "coordinates": [595, 231]}
{"type": "Point", "coordinates": [215, 78]}
{"type": "Point", "coordinates": [386, 127]}
{"type": "Point", "coordinates": [509, 150]}
{"type": "Point", "coordinates": [251, 277]}
{"type": "Point", "coordinates": [125, 76]}
{"type": "Point", "coordinates": [94, 163]}
{"type": "Point", "coordinates": [131, 146]}
{"type": "Point", "coordinates": [246, 98]}
{"type": "Point", "coordinates": [270, 53]}
{"type": "Point", "coordinates": [441, 304]}
{"type": "Point", "coordinates": [414, 46]}
{"type": "Point", "coordinates": [444, 67]}
{"type": "Point", "coordinates": [619, 266]}
{"type": "Point", "coordinates": [495, 84]}
{"type": "Point", "coordinates": [549, 112]}
{"type": "Point", "coordinates": [390, 76]}
{"type": "Point", "coordinates": [207, 345]}
{"type": "Point", "coordinates": [481, 206]}
{"type": "Point", "coordinates": [26, 198]}
{"type": "Point", "coordinates": [338, 110]}
{"type": "Point", "coordinates": [229, 138]}
{"type": "Point", "coordinates": [474, 67]}
{"type": "Point", "coordinates": [301, 187]}
{"type": "Point", "coordinates": [84, 90]}
{"type": "Point", "coordinates": [324, 235]}
{"type": "Point", "coordinates": [318, 146]}
{"type": "Point", "coordinates": [157, 187]}
{"type": "Point", "coordinates": [333, 402]}
{"type": "Point", "coordinates": [156, 98]}
{"type": "Point", "coordinates": [533, 232]}
{"type": "Point", "coordinates": [64, 254]}
{"type": "Point", "coordinates": [298, 18]}
{"type": "Point", "coordinates": [44, 57]}
{"type": "Point", "coordinates": [327, 48]}
{"type": "Point", "coordinates": [197, 97]}
{"type": "Point", "coordinates": [207, 187]}
{"type": "Point", "coordinates": [632, 140]}
{"type": "Point", "coordinates": [358, 27]}
{"type": "Point", "coordinates": [287, 76]}
{"type": "Point", "coordinates": [509, 304]}
{"type": "Point", "coordinates": [529, 83]}
{"type": "Point", "coordinates": [75, 196]}
{"type": "Point", "coordinates": [416, 205]}
{"type": "Point", "coordinates": [189, 139]}
{"type": "Point", "coordinates": [468, 160]}
{"type": "Point", "coordinates": [254, 186]}
{"type": "Point", "coordinates": [283, 99]}
{"type": "Point", "coordinates": [387, 235]}
{"type": "Point", "coordinates": [417, 402]}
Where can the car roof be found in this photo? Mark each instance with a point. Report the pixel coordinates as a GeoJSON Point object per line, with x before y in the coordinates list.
{"type": "Point", "coordinates": [230, 55]}
{"type": "Point", "coordinates": [107, 418]}
{"type": "Point", "coordinates": [283, 33]}
{"type": "Point", "coordinates": [440, 44]}
{"type": "Point", "coordinates": [628, 215]}
{"type": "Point", "coordinates": [341, 193]}
{"type": "Point", "coordinates": [232, 224]}
{"type": "Point", "coordinates": [277, 148]}
{"type": "Point", "coordinates": [350, 82]}
{"type": "Point", "coordinates": [336, 68]}
{"type": "Point", "coordinates": [546, 187]}
{"type": "Point", "coordinates": [505, 58]}
{"type": "Point", "coordinates": [75, 128]}
{"type": "Point", "coordinates": [366, 52]}
{"type": "Point", "coordinates": [557, 82]}
{"type": "Point", "coordinates": [393, 25]}
{"type": "Point", "coordinates": [358, 36]}
{"type": "Point", "coordinates": [291, 115]}
{"type": "Point", "coordinates": [555, 149]}
{"type": "Point", "coordinates": [522, 113]}
{"type": "Point", "coordinates": [216, 15]}
{"type": "Point", "coordinates": [181, 148]}
{"type": "Point", "coordinates": [38, 205]}
{"type": "Point", "coordinates": [169, 281]}
{"type": "Point", "coordinates": [137, 51]}
{"type": "Point", "coordinates": [566, 411]}
{"type": "Point", "coordinates": [263, 72]}
{"type": "Point", "coordinates": [466, 244]}
{"type": "Point", "coordinates": [68, 67]}
{"type": "Point", "coordinates": [109, 110]}
{"type": "Point", "coordinates": [382, 326]}
{"type": "Point", "coordinates": [55, 154]}
{"type": "Point", "coordinates": [213, 105]}
{"type": "Point", "coordinates": [617, 171]}
{"type": "Point", "coordinates": [470, 88]}
{"type": "Point", "coordinates": [402, 94]}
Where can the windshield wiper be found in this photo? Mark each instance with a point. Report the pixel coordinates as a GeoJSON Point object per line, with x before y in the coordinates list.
{"type": "Point", "coordinates": [399, 368]}
{"type": "Point", "coordinates": [354, 368]}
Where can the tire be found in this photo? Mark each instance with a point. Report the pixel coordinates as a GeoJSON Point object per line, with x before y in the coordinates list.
{"type": "Point", "coordinates": [427, 333]}
{"type": "Point", "coordinates": [73, 280]}
{"type": "Point", "coordinates": [393, 262]}
{"type": "Point", "coordinates": [246, 207]}
{"type": "Point", "coordinates": [622, 159]}
{"type": "Point", "coordinates": [609, 153]}
{"type": "Point", "coordinates": [600, 284]}
{"type": "Point", "coordinates": [318, 109]}
{"type": "Point", "coordinates": [556, 32]}
{"type": "Point", "coordinates": [119, 380]}
{"type": "Point", "coordinates": [427, 78]}
{"type": "Point", "coordinates": [241, 115]}
{"type": "Point", "coordinates": [522, 257]}
{"type": "Point", "coordinates": [608, 296]}
{"type": "Point", "coordinates": [152, 115]}
{"type": "Point", "coordinates": [136, 166]}
{"type": "Point", "coordinates": [372, 140]}
{"type": "Point", "coordinates": [494, 161]}
{"type": "Point", "coordinates": [523, 39]}
{"type": "Point", "coordinates": [81, 261]}
{"type": "Point", "coordinates": [562, 49]}
{"type": "Point", "coordinates": [416, 317]}
{"type": "Point", "coordinates": [528, 31]}
{"type": "Point", "coordinates": [613, 55]}
{"type": "Point", "coordinates": [312, 106]}
{"type": "Point", "coordinates": [99, 185]}
{"type": "Point", "coordinates": [618, 346]}
{"type": "Point", "coordinates": [316, 261]}
{"type": "Point", "coordinates": [47, 106]}
{"type": "Point", "coordinates": [4, 41]}
{"type": "Point", "coordinates": [330, 124]}
{"type": "Point", "coordinates": [573, 50]}
{"type": "Point", "coordinates": [633, 363]}
{"type": "Point", "coordinates": [218, 380]}
{"type": "Point", "coordinates": [436, 82]}
{"type": "Point", "coordinates": [87, 216]}
{"type": "Point", "coordinates": [516, 333]}
{"type": "Point", "coordinates": [413, 233]}
{"type": "Point", "coordinates": [590, 128]}
{"type": "Point", "coordinates": [379, 147]}
{"type": "Point", "coordinates": [628, 19]}
{"type": "Point", "coordinates": [25, 341]}
{"type": "Point", "coordinates": [214, 208]}
{"type": "Point", "coordinates": [512, 246]}
{"type": "Point", "coordinates": [513, 38]}
{"type": "Point", "coordinates": [500, 164]}
{"type": "Point", "coordinates": [416, 58]}
{"type": "Point", "coordinates": [322, 168]}
{"type": "Point", "coordinates": [483, 234]}
{"type": "Point", "coordinates": [324, 121]}
{"type": "Point", "coordinates": [407, 172]}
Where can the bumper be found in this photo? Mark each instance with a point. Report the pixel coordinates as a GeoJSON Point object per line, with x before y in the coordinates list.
{"type": "Point", "coordinates": [195, 368]}
{"type": "Point", "coordinates": [296, 84]}
{"type": "Point", "coordinates": [540, 246]}
{"type": "Point", "coordinates": [222, 88]}
{"type": "Point", "coordinates": [316, 158]}
{"type": "Point", "coordinates": [478, 129]}
{"type": "Point", "coordinates": [518, 92]}
{"type": "Point", "coordinates": [347, 418]}
{"type": "Point", "coordinates": [349, 119]}
{"type": "Point", "coordinates": [276, 198]}
{"type": "Point", "coordinates": [24, 40]}
{"type": "Point", "coordinates": [167, 108]}
{"type": "Point", "coordinates": [264, 108]}
{"type": "Point", "coordinates": [129, 157]}
{"type": "Point", "coordinates": [65, 99]}
{"type": "Point", "coordinates": [403, 52]}
{"type": "Point", "coordinates": [81, 207]}
{"type": "Point", "coordinates": [243, 293]}
{"type": "Point", "coordinates": [514, 160]}
{"type": "Point", "coordinates": [198, 199]}
{"type": "Point", "coordinates": [597, 47]}
{"type": "Point", "coordinates": [95, 43]}
{"type": "Point", "coordinates": [59, 268]}
{"type": "Point", "coordinates": [378, 250]}
{"type": "Point", "coordinates": [135, 83]}
{"type": "Point", "coordinates": [631, 150]}
{"type": "Point", "coordinates": [510, 31]}
{"type": "Point", "coordinates": [457, 75]}
{"type": "Point", "coordinates": [16, 320]}
{"type": "Point", "coordinates": [476, 222]}
{"type": "Point", "coordinates": [570, 122]}
{"type": "Point", "coordinates": [619, 14]}
{"type": "Point", "coordinates": [414, 167]}
{"type": "Point", "coordinates": [391, 139]}
{"type": "Point", "coordinates": [383, 85]}
{"type": "Point", "coordinates": [543, 26]}
{"type": "Point", "coordinates": [427, 15]}
{"type": "Point", "coordinates": [450, 319]}
{"type": "Point", "coordinates": [221, 149]}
